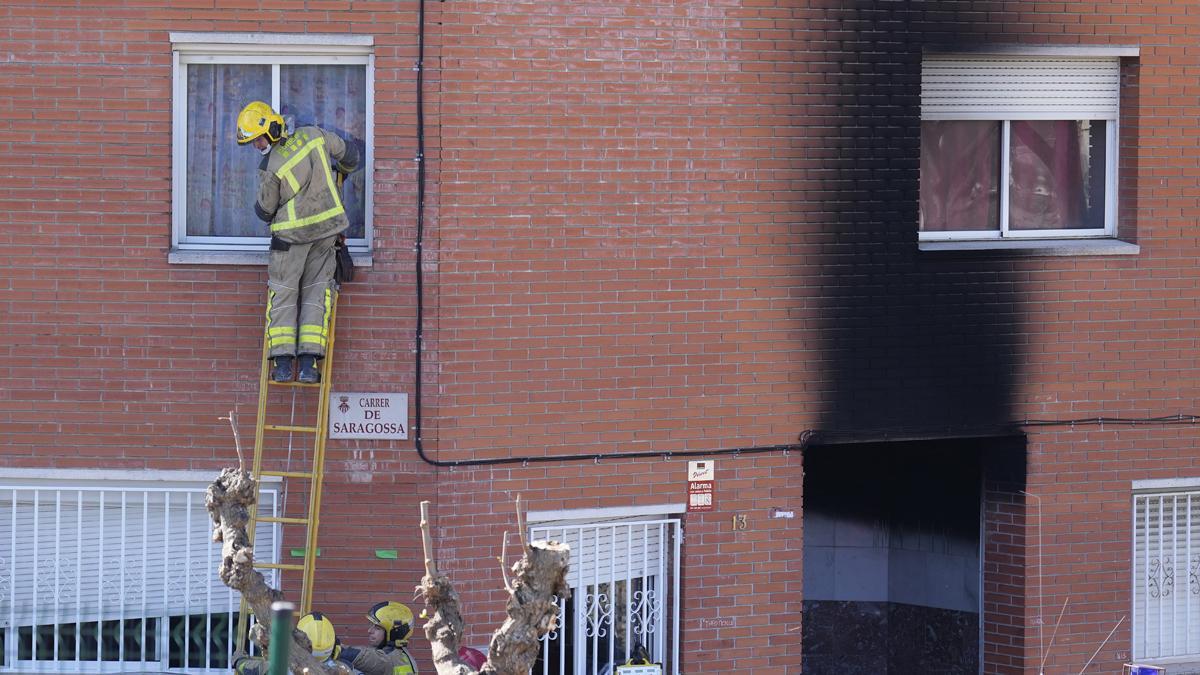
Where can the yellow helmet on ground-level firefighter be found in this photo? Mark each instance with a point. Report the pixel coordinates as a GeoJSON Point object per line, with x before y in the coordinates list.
{"type": "Point", "coordinates": [258, 119]}
{"type": "Point", "coordinates": [320, 632]}
{"type": "Point", "coordinates": [395, 619]}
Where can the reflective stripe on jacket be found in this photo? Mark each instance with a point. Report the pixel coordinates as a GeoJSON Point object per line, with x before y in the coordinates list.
{"type": "Point", "coordinates": [253, 665]}
{"type": "Point", "coordinates": [297, 188]}
{"type": "Point", "coordinates": [386, 661]}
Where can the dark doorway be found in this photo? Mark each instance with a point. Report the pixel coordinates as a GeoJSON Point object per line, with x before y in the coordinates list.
{"type": "Point", "coordinates": [892, 558]}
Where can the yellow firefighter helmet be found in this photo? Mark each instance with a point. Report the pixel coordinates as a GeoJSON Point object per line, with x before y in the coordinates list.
{"type": "Point", "coordinates": [320, 632]}
{"type": "Point", "coordinates": [395, 619]}
{"type": "Point", "coordinates": [258, 119]}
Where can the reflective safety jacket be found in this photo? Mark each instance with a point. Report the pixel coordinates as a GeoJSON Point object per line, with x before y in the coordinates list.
{"type": "Point", "coordinates": [386, 661]}
{"type": "Point", "coordinates": [297, 185]}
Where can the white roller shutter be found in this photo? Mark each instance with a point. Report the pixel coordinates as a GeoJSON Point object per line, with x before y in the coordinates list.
{"type": "Point", "coordinates": [620, 551]}
{"type": "Point", "coordinates": [994, 87]}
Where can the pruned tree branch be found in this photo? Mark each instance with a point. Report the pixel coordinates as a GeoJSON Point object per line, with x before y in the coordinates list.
{"type": "Point", "coordinates": [503, 560]}
{"type": "Point", "coordinates": [229, 499]}
{"type": "Point", "coordinates": [237, 438]}
{"type": "Point", "coordinates": [540, 580]}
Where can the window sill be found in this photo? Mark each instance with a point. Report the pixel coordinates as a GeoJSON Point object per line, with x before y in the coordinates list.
{"type": "Point", "coordinates": [37, 477]}
{"type": "Point", "coordinates": [1035, 247]}
{"type": "Point", "coordinates": [1187, 665]}
{"type": "Point", "coordinates": [193, 257]}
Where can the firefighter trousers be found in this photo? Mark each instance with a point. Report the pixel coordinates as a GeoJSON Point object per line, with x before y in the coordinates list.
{"type": "Point", "coordinates": [300, 297]}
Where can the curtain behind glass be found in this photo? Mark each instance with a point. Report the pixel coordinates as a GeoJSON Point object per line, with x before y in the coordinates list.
{"type": "Point", "coordinates": [1057, 175]}
{"type": "Point", "coordinates": [222, 176]}
{"type": "Point", "coordinates": [960, 175]}
{"type": "Point", "coordinates": [335, 99]}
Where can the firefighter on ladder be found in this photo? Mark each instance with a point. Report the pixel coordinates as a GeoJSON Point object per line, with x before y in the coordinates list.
{"type": "Point", "coordinates": [299, 196]}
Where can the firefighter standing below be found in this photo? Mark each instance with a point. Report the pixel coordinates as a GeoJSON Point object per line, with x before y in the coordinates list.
{"type": "Point", "coordinates": [325, 647]}
{"type": "Point", "coordinates": [299, 196]}
{"type": "Point", "coordinates": [391, 623]}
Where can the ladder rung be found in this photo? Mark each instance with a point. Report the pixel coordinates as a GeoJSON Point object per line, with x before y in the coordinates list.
{"type": "Point", "coordinates": [288, 427]}
{"type": "Point", "coordinates": [273, 383]}
{"type": "Point", "coordinates": [279, 566]}
{"type": "Point", "coordinates": [279, 519]}
{"type": "Point", "coordinates": [287, 474]}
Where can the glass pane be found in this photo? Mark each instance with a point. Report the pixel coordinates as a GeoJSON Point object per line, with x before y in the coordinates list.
{"type": "Point", "coordinates": [1057, 180]}
{"type": "Point", "coordinates": [335, 99]}
{"type": "Point", "coordinates": [222, 176]}
{"type": "Point", "coordinates": [960, 175]}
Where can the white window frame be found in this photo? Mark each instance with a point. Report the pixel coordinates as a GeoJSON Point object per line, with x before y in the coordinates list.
{"type": "Point", "coordinates": [628, 529]}
{"type": "Point", "coordinates": [973, 105]}
{"type": "Point", "coordinates": [57, 564]}
{"type": "Point", "coordinates": [1148, 572]}
{"type": "Point", "coordinates": [273, 49]}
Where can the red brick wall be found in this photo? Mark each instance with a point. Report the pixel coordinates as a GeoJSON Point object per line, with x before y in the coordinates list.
{"type": "Point", "coordinates": [115, 358]}
{"type": "Point", "coordinates": [663, 227]}
{"type": "Point", "coordinates": [614, 275]}
{"type": "Point", "coordinates": [1005, 582]}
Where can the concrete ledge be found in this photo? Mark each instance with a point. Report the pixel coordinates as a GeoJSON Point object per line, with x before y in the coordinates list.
{"type": "Point", "coordinates": [600, 514]}
{"type": "Point", "coordinates": [1035, 247]}
{"type": "Point", "coordinates": [1178, 666]}
{"type": "Point", "coordinates": [196, 257]}
{"type": "Point", "coordinates": [1020, 49]}
{"type": "Point", "coordinates": [336, 39]}
{"type": "Point", "coordinates": [1165, 484]}
{"type": "Point", "coordinates": [111, 476]}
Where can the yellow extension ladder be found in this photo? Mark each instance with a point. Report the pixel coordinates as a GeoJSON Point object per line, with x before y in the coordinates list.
{"type": "Point", "coordinates": [315, 475]}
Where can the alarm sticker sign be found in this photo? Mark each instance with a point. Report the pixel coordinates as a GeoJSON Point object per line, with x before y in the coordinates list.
{"type": "Point", "coordinates": [701, 482]}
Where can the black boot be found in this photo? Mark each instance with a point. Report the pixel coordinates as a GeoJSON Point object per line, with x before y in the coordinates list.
{"type": "Point", "coordinates": [309, 374]}
{"type": "Point", "coordinates": [282, 370]}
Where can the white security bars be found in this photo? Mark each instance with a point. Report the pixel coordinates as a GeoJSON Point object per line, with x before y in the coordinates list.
{"type": "Point", "coordinates": [120, 578]}
{"type": "Point", "coordinates": [1166, 575]}
{"type": "Point", "coordinates": [624, 579]}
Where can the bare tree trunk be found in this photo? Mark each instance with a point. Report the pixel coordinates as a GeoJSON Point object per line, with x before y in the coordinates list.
{"type": "Point", "coordinates": [228, 499]}
{"type": "Point", "coordinates": [444, 628]}
{"type": "Point", "coordinates": [540, 580]}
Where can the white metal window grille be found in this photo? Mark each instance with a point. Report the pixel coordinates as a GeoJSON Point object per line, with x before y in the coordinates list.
{"type": "Point", "coordinates": [114, 579]}
{"type": "Point", "coordinates": [624, 579]}
{"type": "Point", "coordinates": [1166, 575]}
{"type": "Point", "coordinates": [326, 80]}
{"type": "Point", "coordinates": [1046, 166]}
